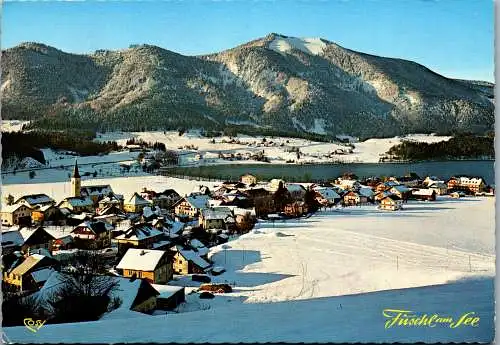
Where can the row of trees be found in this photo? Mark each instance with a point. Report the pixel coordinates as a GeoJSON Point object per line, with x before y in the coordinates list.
{"type": "Point", "coordinates": [459, 147]}
{"type": "Point", "coordinates": [28, 144]}
{"type": "Point", "coordinates": [155, 146]}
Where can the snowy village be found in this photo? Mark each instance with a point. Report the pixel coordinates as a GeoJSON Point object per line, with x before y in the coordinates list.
{"type": "Point", "coordinates": [247, 172]}
{"type": "Point", "coordinates": [161, 252]}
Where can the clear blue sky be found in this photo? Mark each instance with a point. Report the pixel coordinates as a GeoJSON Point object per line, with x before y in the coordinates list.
{"type": "Point", "coordinates": [452, 37]}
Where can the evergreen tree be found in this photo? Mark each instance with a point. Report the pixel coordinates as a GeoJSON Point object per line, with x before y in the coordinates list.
{"type": "Point", "coordinates": [9, 200]}
{"type": "Point", "coordinates": [281, 197]}
{"type": "Point", "coordinates": [310, 200]}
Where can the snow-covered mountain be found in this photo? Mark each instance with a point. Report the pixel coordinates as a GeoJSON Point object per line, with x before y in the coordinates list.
{"type": "Point", "coordinates": [275, 83]}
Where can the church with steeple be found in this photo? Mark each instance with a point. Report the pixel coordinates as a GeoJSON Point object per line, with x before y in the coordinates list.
{"type": "Point", "coordinates": [76, 182]}
{"type": "Point", "coordinates": [94, 193]}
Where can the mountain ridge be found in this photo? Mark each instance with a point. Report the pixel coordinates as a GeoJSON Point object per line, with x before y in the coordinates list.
{"type": "Point", "coordinates": [309, 85]}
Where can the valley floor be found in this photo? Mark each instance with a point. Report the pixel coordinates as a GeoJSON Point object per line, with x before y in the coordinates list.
{"type": "Point", "coordinates": [209, 149]}
{"type": "Point", "coordinates": [329, 278]}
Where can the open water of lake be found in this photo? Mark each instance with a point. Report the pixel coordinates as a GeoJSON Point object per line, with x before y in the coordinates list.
{"type": "Point", "coordinates": [443, 170]}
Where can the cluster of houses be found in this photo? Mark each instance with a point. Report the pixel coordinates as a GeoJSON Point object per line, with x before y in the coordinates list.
{"type": "Point", "coordinates": [153, 235]}
{"type": "Point", "coordinates": [392, 192]}
{"type": "Point", "coordinates": [149, 236]}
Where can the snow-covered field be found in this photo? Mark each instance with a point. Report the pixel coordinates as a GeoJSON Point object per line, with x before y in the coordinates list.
{"type": "Point", "coordinates": [362, 249]}
{"type": "Point", "coordinates": [329, 278]}
{"type": "Point", "coordinates": [56, 159]}
{"type": "Point", "coordinates": [311, 152]}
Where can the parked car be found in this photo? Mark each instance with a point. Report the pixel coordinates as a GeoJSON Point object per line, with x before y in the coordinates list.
{"type": "Point", "coordinates": [219, 288]}
{"type": "Point", "coordinates": [109, 252]}
{"type": "Point", "coordinates": [200, 278]}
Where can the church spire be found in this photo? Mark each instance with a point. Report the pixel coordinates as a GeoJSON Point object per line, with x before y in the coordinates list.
{"type": "Point", "coordinates": [76, 182]}
{"type": "Point", "coordinates": [76, 174]}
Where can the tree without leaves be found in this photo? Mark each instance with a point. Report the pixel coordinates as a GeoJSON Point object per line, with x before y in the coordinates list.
{"type": "Point", "coordinates": [86, 292]}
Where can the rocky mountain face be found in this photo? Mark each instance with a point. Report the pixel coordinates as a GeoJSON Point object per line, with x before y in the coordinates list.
{"type": "Point", "coordinates": [274, 83]}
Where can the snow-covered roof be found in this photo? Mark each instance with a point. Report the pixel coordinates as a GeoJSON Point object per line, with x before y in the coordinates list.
{"type": "Point", "coordinates": [137, 200]}
{"type": "Point", "coordinates": [139, 232]}
{"type": "Point", "coordinates": [127, 291]}
{"type": "Point", "coordinates": [368, 192]}
{"type": "Point", "coordinates": [195, 258]}
{"type": "Point", "coordinates": [438, 184]}
{"type": "Point", "coordinates": [96, 227]}
{"type": "Point", "coordinates": [59, 231]}
{"type": "Point", "coordinates": [166, 291]}
{"type": "Point", "coordinates": [110, 200]}
{"type": "Point", "coordinates": [141, 259]}
{"type": "Point", "coordinates": [28, 232]}
{"type": "Point", "coordinates": [196, 243]}
{"type": "Point", "coordinates": [42, 275]}
{"type": "Point", "coordinates": [65, 211]}
{"type": "Point", "coordinates": [96, 190]}
{"type": "Point", "coordinates": [401, 188]}
{"type": "Point", "coordinates": [216, 213]}
{"type": "Point", "coordinates": [349, 183]}
{"type": "Point", "coordinates": [173, 227]}
{"type": "Point", "coordinates": [295, 187]}
{"type": "Point", "coordinates": [198, 201]}
{"type": "Point", "coordinates": [242, 211]}
{"type": "Point", "coordinates": [46, 207]}
{"type": "Point", "coordinates": [203, 251]}
{"type": "Point", "coordinates": [423, 191]}
{"type": "Point", "coordinates": [200, 189]}
{"type": "Point", "coordinates": [467, 180]}
{"type": "Point", "coordinates": [12, 208]}
{"type": "Point", "coordinates": [12, 238]}
{"type": "Point", "coordinates": [149, 212]}
{"type": "Point", "coordinates": [81, 216]}
{"type": "Point", "coordinates": [214, 202]}
{"type": "Point", "coordinates": [79, 201]}
{"type": "Point", "coordinates": [327, 193]}
{"type": "Point", "coordinates": [36, 199]}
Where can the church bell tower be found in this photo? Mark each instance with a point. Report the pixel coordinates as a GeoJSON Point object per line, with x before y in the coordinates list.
{"type": "Point", "coordinates": [76, 181]}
